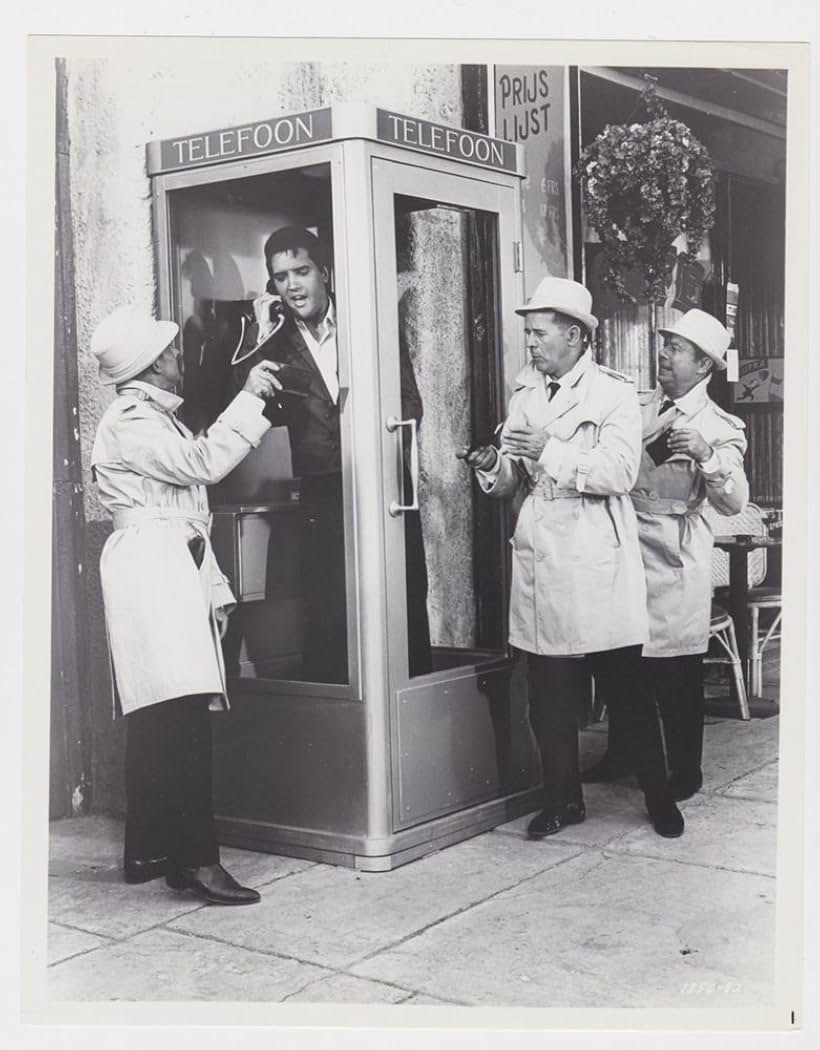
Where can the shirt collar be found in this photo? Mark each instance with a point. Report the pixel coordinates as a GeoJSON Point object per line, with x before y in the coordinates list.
{"type": "Point", "coordinates": [325, 328]}
{"type": "Point", "coordinates": [164, 398]}
{"type": "Point", "coordinates": [529, 375]}
{"type": "Point", "coordinates": [692, 399]}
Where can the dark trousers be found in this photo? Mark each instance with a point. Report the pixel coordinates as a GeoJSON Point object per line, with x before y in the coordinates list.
{"type": "Point", "coordinates": [557, 685]}
{"type": "Point", "coordinates": [675, 684]}
{"type": "Point", "coordinates": [323, 579]}
{"type": "Point", "coordinates": [419, 653]}
{"type": "Point", "coordinates": [168, 784]}
{"type": "Point", "coordinates": [323, 576]}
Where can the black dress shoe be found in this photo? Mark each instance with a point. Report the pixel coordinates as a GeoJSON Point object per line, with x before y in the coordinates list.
{"type": "Point", "coordinates": [212, 884]}
{"type": "Point", "coordinates": [144, 870]}
{"type": "Point", "coordinates": [685, 785]}
{"type": "Point", "coordinates": [666, 817]}
{"type": "Point", "coordinates": [548, 822]}
{"type": "Point", "coordinates": [605, 770]}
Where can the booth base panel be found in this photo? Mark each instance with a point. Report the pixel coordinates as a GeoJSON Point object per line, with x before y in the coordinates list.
{"type": "Point", "coordinates": [375, 855]}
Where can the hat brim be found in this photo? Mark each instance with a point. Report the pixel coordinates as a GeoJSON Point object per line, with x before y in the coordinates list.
{"type": "Point", "coordinates": [719, 362]}
{"type": "Point", "coordinates": [163, 335]}
{"type": "Point", "coordinates": [537, 308]}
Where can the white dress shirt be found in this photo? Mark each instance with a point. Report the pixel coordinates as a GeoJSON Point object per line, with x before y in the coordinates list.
{"type": "Point", "coordinates": [324, 350]}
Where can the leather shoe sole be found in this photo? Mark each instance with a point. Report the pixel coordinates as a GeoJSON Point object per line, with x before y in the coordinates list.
{"type": "Point", "coordinates": [229, 892]}
{"type": "Point", "coordinates": [137, 871]}
{"type": "Point", "coordinates": [550, 823]}
{"type": "Point", "coordinates": [684, 785]}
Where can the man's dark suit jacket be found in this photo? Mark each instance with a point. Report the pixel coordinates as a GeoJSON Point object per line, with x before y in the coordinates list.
{"type": "Point", "coordinates": [313, 420]}
{"type": "Point", "coordinates": [314, 431]}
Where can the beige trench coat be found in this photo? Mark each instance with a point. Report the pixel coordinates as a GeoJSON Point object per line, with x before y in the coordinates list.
{"type": "Point", "coordinates": [159, 606]}
{"type": "Point", "coordinates": [577, 577]}
{"type": "Point", "coordinates": [676, 540]}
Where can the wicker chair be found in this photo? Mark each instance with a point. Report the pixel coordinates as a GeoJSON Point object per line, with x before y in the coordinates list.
{"type": "Point", "coordinates": [722, 629]}
{"type": "Point", "coordinates": [750, 521]}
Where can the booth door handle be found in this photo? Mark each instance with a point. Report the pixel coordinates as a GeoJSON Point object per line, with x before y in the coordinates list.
{"type": "Point", "coordinates": [393, 425]}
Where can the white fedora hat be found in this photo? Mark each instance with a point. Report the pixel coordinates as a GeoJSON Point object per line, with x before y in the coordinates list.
{"type": "Point", "coordinates": [706, 332]}
{"type": "Point", "coordinates": [568, 297]}
{"type": "Point", "coordinates": [128, 341]}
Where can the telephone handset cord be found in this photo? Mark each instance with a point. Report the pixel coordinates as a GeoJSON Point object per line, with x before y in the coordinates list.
{"type": "Point", "coordinates": [236, 359]}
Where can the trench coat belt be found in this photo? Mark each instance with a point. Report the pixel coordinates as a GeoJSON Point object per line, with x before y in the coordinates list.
{"type": "Point", "coordinates": [137, 515]}
{"type": "Point", "coordinates": [657, 505]}
{"type": "Point", "coordinates": [544, 488]}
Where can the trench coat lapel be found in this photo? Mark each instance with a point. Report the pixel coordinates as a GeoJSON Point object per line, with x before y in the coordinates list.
{"type": "Point", "coordinates": [567, 398]}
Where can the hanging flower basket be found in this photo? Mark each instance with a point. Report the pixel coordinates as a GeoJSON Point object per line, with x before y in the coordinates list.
{"type": "Point", "coordinates": [644, 184]}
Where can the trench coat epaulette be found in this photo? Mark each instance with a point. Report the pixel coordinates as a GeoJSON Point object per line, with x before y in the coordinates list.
{"type": "Point", "coordinates": [616, 375]}
{"type": "Point", "coordinates": [733, 421]}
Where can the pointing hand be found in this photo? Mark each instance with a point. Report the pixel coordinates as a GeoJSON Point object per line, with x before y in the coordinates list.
{"type": "Point", "coordinates": [262, 380]}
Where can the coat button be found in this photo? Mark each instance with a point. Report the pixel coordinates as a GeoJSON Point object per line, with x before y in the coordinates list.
{"type": "Point", "coordinates": [653, 495]}
{"type": "Point", "coordinates": [539, 556]}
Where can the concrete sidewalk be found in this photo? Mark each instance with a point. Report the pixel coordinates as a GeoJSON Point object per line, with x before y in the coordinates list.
{"type": "Point", "coordinates": [604, 913]}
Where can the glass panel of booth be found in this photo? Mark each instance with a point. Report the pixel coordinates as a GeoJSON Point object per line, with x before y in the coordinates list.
{"type": "Point", "coordinates": [447, 340]}
{"type": "Point", "coordinates": [278, 518]}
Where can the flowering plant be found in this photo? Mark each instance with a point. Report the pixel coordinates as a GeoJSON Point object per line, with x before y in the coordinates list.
{"type": "Point", "coordinates": [644, 184]}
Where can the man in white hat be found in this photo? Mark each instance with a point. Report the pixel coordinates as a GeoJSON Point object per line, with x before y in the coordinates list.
{"type": "Point", "coordinates": [165, 598]}
{"type": "Point", "coordinates": [572, 438]}
{"type": "Point", "coordinates": [692, 455]}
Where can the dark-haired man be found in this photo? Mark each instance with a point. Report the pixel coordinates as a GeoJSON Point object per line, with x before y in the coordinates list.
{"type": "Point", "coordinates": [572, 439]}
{"type": "Point", "coordinates": [306, 348]}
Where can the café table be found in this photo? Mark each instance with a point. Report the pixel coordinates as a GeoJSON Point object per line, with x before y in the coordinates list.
{"type": "Point", "coordinates": [739, 548]}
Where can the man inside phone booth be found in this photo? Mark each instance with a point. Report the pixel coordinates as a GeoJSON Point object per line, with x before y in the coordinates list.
{"type": "Point", "coordinates": [296, 327]}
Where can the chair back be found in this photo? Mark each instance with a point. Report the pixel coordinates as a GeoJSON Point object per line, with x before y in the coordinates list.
{"type": "Point", "coordinates": [748, 522]}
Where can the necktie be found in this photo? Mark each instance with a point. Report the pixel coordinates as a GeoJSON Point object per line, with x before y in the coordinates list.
{"type": "Point", "coordinates": [553, 389]}
{"type": "Point", "coordinates": [666, 406]}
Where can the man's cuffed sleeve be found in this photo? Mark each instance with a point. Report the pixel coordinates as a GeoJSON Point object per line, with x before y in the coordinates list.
{"type": "Point", "coordinates": [727, 487]}
{"type": "Point", "coordinates": [501, 479]}
{"type": "Point", "coordinates": [149, 445]}
{"type": "Point", "coordinates": [244, 415]}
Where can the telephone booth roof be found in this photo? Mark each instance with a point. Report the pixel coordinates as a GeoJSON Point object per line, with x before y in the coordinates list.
{"type": "Point", "coordinates": [347, 120]}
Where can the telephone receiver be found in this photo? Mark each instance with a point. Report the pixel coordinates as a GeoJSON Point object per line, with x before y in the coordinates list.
{"type": "Point", "coordinates": [267, 304]}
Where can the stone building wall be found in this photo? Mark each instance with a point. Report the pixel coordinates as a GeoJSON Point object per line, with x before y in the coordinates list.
{"type": "Point", "coordinates": [114, 108]}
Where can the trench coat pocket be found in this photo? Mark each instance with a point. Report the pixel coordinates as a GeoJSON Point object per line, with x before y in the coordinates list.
{"type": "Point", "coordinates": [196, 545]}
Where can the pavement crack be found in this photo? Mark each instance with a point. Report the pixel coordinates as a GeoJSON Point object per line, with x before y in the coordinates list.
{"type": "Point", "coordinates": [689, 863]}
{"type": "Point", "coordinates": [460, 911]}
{"type": "Point", "coordinates": [256, 951]}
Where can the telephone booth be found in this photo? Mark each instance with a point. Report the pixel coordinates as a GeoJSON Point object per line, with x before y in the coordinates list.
{"type": "Point", "coordinates": [419, 736]}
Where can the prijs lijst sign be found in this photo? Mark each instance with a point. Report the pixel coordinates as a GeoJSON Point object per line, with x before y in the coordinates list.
{"type": "Point", "coordinates": [532, 108]}
{"type": "Point", "coordinates": [244, 140]}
